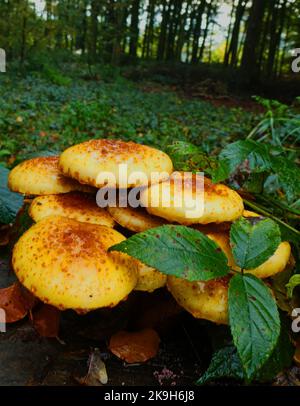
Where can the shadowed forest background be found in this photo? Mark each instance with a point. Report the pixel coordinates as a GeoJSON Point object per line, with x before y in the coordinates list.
{"type": "Point", "coordinates": [147, 70]}
{"type": "Point", "coordinates": [241, 42]}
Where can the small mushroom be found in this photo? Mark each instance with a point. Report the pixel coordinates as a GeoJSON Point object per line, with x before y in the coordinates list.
{"type": "Point", "coordinates": [41, 176]}
{"type": "Point", "coordinates": [273, 265]}
{"type": "Point", "coordinates": [204, 300]}
{"type": "Point", "coordinates": [66, 264]}
{"type": "Point", "coordinates": [78, 206]}
{"type": "Point", "coordinates": [136, 220]}
{"type": "Point", "coordinates": [149, 278]}
{"type": "Point", "coordinates": [192, 200]}
{"type": "Point", "coordinates": [88, 161]}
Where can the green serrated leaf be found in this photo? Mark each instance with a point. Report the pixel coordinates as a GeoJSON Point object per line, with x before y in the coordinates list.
{"type": "Point", "coordinates": [253, 241]}
{"type": "Point", "coordinates": [177, 250]}
{"type": "Point", "coordinates": [186, 156]}
{"type": "Point", "coordinates": [225, 363]}
{"type": "Point", "coordinates": [247, 155]}
{"type": "Point", "coordinates": [288, 174]}
{"type": "Point", "coordinates": [281, 357]}
{"type": "Point", "coordinates": [254, 321]}
{"type": "Point", "coordinates": [189, 157]}
{"type": "Point", "coordinates": [10, 202]}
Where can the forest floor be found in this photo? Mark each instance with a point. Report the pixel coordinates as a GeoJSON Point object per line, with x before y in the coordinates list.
{"type": "Point", "coordinates": [38, 114]}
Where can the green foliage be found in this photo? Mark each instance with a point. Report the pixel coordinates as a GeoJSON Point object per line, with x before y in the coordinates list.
{"type": "Point", "coordinates": [55, 76]}
{"type": "Point", "coordinates": [253, 240]}
{"type": "Point", "coordinates": [188, 157]}
{"type": "Point", "coordinates": [43, 114]}
{"type": "Point", "coordinates": [226, 362]}
{"type": "Point", "coordinates": [280, 124]}
{"type": "Point", "coordinates": [248, 157]}
{"type": "Point", "coordinates": [245, 155]}
{"type": "Point", "coordinates": [253, 315]}
{"type": "Point", "coordinates": [281, 357]}
{"type": "Point", "coordinates": [177, 250]}
{"type": "Point", "coordinates": [288, 175]}
{"type": "Point", "coordinates": [254, 321]}
{"type": "Point", "coordinates": [36, 114]}
{"type": "Point", "coordinates": [293, 282]}
{"type": "Point", "coordinates": [10, 203]}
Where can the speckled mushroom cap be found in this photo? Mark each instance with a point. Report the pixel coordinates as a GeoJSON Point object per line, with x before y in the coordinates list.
{"type": "Point", "coordinates": [88, 161]}
{"type": "Point", "coordinates": [65, 263]}
{"type": "Point", "coordinates": [220, 203]}
{"type": "Point", "coordinates": [74, 205]}
{"type": "Point", "coordinates": [41, 176]}
{"type": "Point", "coordinates": [137, 220]}
{"type": "Point", "coordinates": [275, 264]}
{"type": "Point", "coordinates": [149, 278]}
{"type": "Point", "coordinates": [204, 300]}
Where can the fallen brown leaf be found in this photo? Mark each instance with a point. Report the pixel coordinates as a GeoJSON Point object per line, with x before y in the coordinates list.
{"type": "Point", "coordinates": [16, 301]}
{"type": "Point", "coordinates": [96, 375]}
{"type": "Point", "coordinates": [134, 347]}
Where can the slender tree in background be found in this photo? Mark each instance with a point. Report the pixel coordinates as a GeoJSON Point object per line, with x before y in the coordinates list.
{"type": "Point", "coordinates": [134, 28]}
{"type": "Point", "coordinates": [149, 30]}
{"type": "Point", "coordinates": [163, 30]}
{"type": "Point", "coordinates": [197, 31]}
{"type": "Point", "coordinates": [277, 22]}
{"type": "Point", "coordinates": [232, 51]}
{"type": "Point", "coordinates": [94, 29]}
{"type": "Point", "coordinates": [258, 38]}
{"type": "Point", "coordinates": [249, 65]}
{"type": "Point", "coordinates": [211, 9]}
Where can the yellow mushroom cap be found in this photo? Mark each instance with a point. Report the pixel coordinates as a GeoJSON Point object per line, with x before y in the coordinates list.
{"type": "Point", "coordinates": [149, 278]}
{"type": "Point", "coordinates": [65, 263]}
{"type": "Point", "coordinates": [78, 206]}
{"type": "Point", "coordinates": [136, 220]}
{"type": "Point", "coordinates": [41, 176]}
{"type": "Point", "coordinates": [169, 200]}
{"type": "Point", "coordinates": [88, 161]}
{"type": "Point", "coordinates": [204, 300]}
{"type": "Point", "coordinates": [275, 264]}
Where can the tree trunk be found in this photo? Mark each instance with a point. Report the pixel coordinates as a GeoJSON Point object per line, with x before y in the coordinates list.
{"type": "Point", "coordinates": [23, 35]}
{"type": "Point", "coordinates": [173, 28]}
{"type": "Point", "coordinates": [94, 30]}
{"type": "Point", "coordinates": [276, 31]}
{"type": "Point", "coordinates": [181, 31]}
{"type": "Point", "coordinates": [231, 57]}
{"type": "Point", "coordinates": [264, 37]}
{"type": "Point", "coordinates": [119, 9]}
{"type": "Point", "coordinates": [209, 11]}
{"type": "Point", "coordinates": [229, 33]}
{"type": "Point", "coordinates": [134, 28]}
{"type": "Point", "coordinates": [249, 65]}
{"type": "Point", "coordinates": [197, 31]}
{"type": "Point", "coordinates": [148, 37]}
{"type": "Point", "coordinates": [163, 31]}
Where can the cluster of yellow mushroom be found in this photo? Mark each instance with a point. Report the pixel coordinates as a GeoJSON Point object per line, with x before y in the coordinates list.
{"type": "Point", "coordinates": [63, 258]}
